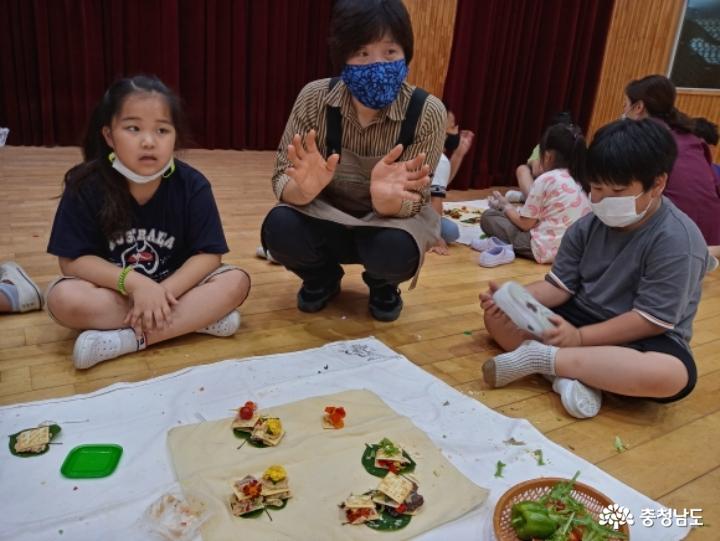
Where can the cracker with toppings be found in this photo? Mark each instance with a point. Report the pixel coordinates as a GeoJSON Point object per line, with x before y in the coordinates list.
{"type": "Point", "coordinates": [268, 430]}
{"type": "Point", "coordinates": [34, 440]}
{"type": "Point", "coordinates": [359, 508]}
{"type": "Point", "coordinates": [396, 487]}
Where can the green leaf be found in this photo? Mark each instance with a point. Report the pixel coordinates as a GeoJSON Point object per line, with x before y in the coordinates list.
{"type": "Point", "coordinates": [389, 523]}
{"type": "Point", "coordinates": [389, 447]}
{"type": "Point", "coordinates": [538, 454]}
{"type": "Point", "coordinates": [368, 462]}
{"type": "Point", "coordinates": [499, 468]}
{"type": "Point", "coordinates": [254, 514]}
{"type": "Point", "coordinates": [246, 436]}
{"type": "Point", "coordinates": [54, 431]}
{"type": "Point", "coordinates": [619, 445]}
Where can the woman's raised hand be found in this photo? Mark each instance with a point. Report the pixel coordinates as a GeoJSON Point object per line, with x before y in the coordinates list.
{"type": "Point", "coordinates": [392, 181]}
{"type": "Point", "coordinates": [309, 169]}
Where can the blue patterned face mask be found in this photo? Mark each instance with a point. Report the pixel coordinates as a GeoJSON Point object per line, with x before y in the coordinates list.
{"type": "Point", "coordinates": [375, 85]}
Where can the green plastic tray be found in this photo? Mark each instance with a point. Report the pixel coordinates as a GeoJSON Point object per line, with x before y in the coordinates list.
{"type": "Point", "coordinates": [91, 461]}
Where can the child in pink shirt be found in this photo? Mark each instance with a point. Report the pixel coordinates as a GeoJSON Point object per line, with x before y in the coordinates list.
{"type": "Point", "coordinates": [556, 200]}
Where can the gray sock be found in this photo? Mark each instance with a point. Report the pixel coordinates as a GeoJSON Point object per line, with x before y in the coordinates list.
{"type": "Point", "coordinates": [531, 357]}
{"type": "Point", "coordinates": [11, 292]}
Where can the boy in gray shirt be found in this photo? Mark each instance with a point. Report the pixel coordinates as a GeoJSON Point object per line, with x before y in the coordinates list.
{"type": "Point", "coordinates": [625, 285]}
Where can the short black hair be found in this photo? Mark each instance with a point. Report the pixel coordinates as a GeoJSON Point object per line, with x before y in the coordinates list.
{"type": "Point", "coordinates": [627, 150]}
{"type": "Point", "coordinates": [355, 23]}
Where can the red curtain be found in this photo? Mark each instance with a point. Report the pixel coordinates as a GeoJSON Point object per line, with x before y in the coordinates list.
{"type": "Point", "coordinates": [514, 64]}
{"type": "Point", "coordinates": [237, 64]}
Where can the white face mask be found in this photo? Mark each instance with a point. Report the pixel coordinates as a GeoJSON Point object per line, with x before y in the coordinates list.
{"type": "Point", "coordinates": [121, 168]}
{"type": "Point", "coordinates": [618, 211]}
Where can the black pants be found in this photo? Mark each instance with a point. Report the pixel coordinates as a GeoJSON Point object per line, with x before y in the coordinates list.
{"type": "Point", "coordinates": [314, 249]}
{"type": "Point", "coordinates": [661, 344]}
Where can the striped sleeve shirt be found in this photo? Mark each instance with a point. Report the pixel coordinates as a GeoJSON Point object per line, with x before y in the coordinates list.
{"type": "Point", "coordinates": [377, 139]}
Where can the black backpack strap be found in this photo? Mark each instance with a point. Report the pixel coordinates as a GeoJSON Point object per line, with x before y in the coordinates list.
{"type": "Point", "coordinates": [333, 125]}
{"type": "Point", "coordinates": [412, 115]}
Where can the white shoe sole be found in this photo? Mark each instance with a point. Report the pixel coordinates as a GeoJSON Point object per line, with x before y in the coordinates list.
{"type": "Point", "coordinates": [29, 294]}
{"type": "Point", "coordinates": [482, 245]}
{"type": "Point", "coordinates": [523, 309]}
{"type": "Point", "coordinates": [579, 400]}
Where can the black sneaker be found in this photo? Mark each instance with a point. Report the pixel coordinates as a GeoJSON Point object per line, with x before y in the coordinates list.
{"type": "Point", "coordinates": [315, 299]}
{"type": "Point", "coordinates": [385, 302]}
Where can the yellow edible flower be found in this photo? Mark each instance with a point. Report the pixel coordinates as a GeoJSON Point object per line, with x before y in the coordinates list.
{"type": "Point", "coordinates": [274, 426]}
{"type": "Point", "coordinates": [275, 473]}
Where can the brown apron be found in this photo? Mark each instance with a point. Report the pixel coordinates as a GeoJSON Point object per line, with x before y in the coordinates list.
{"type": "Point", "coordinates": [346, 200]}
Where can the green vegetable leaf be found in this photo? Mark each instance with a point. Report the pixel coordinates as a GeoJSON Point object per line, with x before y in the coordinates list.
{"type": "Point", "coordinates": [246, 436]}
{"type": "Point", "coordinates": [253, 514]}
{"type": "Point", "coordinates": [389, 523]}
{"type": "Point", "coordinates": [54, 431]}
{"type": "Point", "coordinates": [368, 462]}
{"type": "Point", "coordinates": [388, 447]}
{"type": "Point", "coordinates": [538, 454]}
{"type": "Point", "coordinates": [499, 467]}
{"type": "Point", "coordinates": [619, 445]}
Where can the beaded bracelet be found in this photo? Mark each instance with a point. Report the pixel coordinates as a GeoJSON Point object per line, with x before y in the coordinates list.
{"type": "Point", "coordinates": [121, 280]}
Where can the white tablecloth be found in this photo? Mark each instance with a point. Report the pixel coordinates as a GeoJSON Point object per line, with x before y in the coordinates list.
{"type": "Point", "coordinates": [39, 504]}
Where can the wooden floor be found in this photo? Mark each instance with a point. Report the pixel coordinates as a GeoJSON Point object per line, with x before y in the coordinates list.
{"type": "Point", "coordinates": [674, 450]}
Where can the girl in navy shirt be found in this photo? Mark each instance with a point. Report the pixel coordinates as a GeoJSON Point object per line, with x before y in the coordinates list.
{"type": "Point", "coordinates": [138, 234]}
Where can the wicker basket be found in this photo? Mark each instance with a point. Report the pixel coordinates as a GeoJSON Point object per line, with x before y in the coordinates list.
{"type": "Point", "coordinates": [534, 489]}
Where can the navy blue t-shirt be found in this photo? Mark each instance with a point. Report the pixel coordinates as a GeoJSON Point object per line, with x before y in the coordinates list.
{"type": "Point", "coordinates": [179, 221]}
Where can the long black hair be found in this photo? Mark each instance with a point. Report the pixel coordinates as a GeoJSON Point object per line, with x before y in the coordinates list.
{"type": "Point", "coordinates": [658, 93]}
{"type": "Point", "coordinates": [115, 213]}
{"type": "Point", "coordinates": [568, 144]}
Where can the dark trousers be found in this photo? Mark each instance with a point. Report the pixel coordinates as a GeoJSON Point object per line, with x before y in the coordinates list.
{"type": "Point", "coordinates": [314, 249]}
{"type": "Point", "coordinates": [494, 223]}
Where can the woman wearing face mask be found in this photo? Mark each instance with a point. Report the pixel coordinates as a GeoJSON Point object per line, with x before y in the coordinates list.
{"type": "Point", "coordinates": [352, 169]}
{"type": "Point", "coordinates": [693, 184]}
{"type": "Point", "coordinates": [624, 287]}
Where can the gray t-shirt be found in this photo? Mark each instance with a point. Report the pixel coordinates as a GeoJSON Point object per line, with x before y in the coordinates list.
{"type": "Point", "coordinates": [655, 270]}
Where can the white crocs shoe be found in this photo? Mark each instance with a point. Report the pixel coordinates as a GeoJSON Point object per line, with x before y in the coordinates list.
{"type": "Point", "coordinates": [483, 244]}
{"type": "Point", "coordinates": [578, 399]}
{"type": "Point", "coordinates": [93, 347]}
{"type": "Point", "coordinates": [515, 196]}
{"type": "Point", "coordinates": [225, 326]}
{"type": "Point", "coordinates": [524, 310]}
{"type": "Point", "coordinates": [496, 256]}
{"type": "Point", "coordinates": [29, 295]}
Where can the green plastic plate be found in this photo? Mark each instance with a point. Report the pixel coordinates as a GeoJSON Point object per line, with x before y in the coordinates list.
{"type": "Point", "coordinates": [91, 461]}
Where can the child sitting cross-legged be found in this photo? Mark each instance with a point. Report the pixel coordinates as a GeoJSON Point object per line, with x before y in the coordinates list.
{"type": "Point", "coordinates": [138, 234]}
{"type": "Point", "coordinates": [555, 201]}
{"type": "Point", "coordinates": [625, 285]}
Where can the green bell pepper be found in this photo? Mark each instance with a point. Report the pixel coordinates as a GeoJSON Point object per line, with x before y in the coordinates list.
{"type": "Point", "coordinates": [532, 520]}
